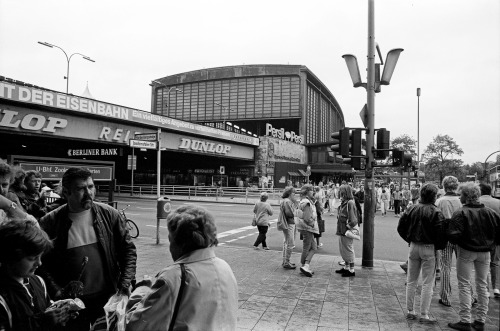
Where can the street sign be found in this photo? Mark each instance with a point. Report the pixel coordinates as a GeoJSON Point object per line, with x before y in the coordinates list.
{"type": "Point", "coordinates": [143, 144]}
{"type": "Point", "coordinates": [363, 114]}
{"type": "Point", "coordinates": [146, 136]}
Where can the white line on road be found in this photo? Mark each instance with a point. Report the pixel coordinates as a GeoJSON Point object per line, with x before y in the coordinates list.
{"type": "Point", "coordinates": [154, 226]}
{"type": "Point", "coordinates": [235, 231]}
{"type": "Point", "coordinates": [146, 208]}
{"type": "Point", "coordinates": [207, 204]}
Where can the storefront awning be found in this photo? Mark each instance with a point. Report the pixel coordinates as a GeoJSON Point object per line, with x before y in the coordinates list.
{"type": "Point", "coordinates": [294, 174]}
{"type": "Point", "coordinates": [302, 172]}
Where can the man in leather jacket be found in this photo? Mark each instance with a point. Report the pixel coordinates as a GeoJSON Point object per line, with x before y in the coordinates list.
{"type": "Point", "coordinates": [422, 226]}
{"type": "Point", "coordinates": [93, 256]}
{"type": "Point", "coordinates": [476, 231]}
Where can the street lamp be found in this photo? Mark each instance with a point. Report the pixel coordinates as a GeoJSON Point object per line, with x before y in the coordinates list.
{"type": "Point", "coordinates": [68, 59]}
{"type": "Point", "coordinates": [168, 94]}
{"type": "Point", "coordinates": [372, 86]}
{"type": "Point", "coordinates": [226, 112]}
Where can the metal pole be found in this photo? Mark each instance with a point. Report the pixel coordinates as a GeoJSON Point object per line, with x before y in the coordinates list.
{"type": "Point", "coordinates": [132, 178]}
{"type": "Point", "coordinates": [370, 200]}
{"type": "Point", "coordinates": [158, 183]}
{"type": "Point", "coordinates": [418, 127]}
{"type": "Point", "coordinates": [67, 77]}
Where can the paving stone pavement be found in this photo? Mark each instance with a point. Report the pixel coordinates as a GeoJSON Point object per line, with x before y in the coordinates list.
{"type": "Point", "coordinates": [272, 298]}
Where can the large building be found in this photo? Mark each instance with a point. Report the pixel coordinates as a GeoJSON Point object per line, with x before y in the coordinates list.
{"type": "Point", "coordinates": [238, 126]}
{"type": "Point", "coordinates": [286, 106]}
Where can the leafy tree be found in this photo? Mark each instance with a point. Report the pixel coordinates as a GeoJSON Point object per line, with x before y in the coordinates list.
{"type": "Point", "coordinates": [405, 143]}
{"type": "Point", "coordinates": [439, 155]}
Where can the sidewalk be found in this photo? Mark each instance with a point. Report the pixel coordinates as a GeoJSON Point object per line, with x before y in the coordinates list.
{"type": "Point", "coordinates": [272, 298]}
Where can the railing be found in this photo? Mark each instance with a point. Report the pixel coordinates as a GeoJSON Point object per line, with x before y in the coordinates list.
{"type": "Point", "coordinates": [194, 191]}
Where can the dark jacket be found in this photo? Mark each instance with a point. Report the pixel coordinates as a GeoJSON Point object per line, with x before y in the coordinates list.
{"type": "Point", "coordinates": [27, 312]}
{"type": "Point", "coordinates": [113, 238]}
{"type": "Point", "coordinates": [424, 224]}
{"type": "Point", "coordinates": [475, 227]}
{"type": "Point", "coordinates": [347, 212]}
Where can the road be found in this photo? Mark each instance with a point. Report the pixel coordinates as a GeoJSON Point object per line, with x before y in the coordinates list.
{"type": "Point", "coordinates": [234, 228]}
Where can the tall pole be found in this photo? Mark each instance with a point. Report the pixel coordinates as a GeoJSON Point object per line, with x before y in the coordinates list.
{"type": "Point", "coordinates": [158, 182]}
{"type": "Point", "coordinates": [418, 126]}
{"type": "Point", "coordinates": [370, 200]}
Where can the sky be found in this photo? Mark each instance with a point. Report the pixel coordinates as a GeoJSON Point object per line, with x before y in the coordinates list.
{"type": "Point", "coordinates": [451, 52]}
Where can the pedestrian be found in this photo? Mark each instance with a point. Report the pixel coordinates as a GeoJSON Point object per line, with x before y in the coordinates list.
{"type": "Point", "coordinates": [448, 204]}
{"type": "Point", "coordinates": [93, 256]}
{"type": "Point", "coordinates": [262, 211]}
{"type": "Point", "coordinates": [405, 198]}
{"type": "Point", "coordinates": [494, 204]}
{"type": "Point", "coordinates": [331, 199]}
{"type": "Point", "coordinates": [475, 229]}
{"type": "Point", "coordinates": [415, 193]}
{"type": "Point", "coordinates": [209, 297]}
{"type": "Point", "coordinates": [24, 303]}
{"type": "Point", "coordinates": [385, 197]}
{"type": "Point", "coordinates": [321, 222]}
{"type": "Point", "coordinates": [422, 226]}
{"type": "Point", "coordinates": [32, 199]}
{"type": "Point", "coordinates": [396, 196]}
{"type": "Point", "coordinates": [347, 218]}
{"type": "Point", "coordinates": [288, 210]}
{"type": "Point", "coordinates": [307, 225]}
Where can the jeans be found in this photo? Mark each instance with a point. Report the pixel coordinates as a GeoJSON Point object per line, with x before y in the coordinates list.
{"type": "Point", "coordinates": [384, 205]}
{"type": "Point", "coordinates": [288, 243]}
{"type": "Point", "coordinates": [495, 268]}
{"type": "Point", "coordinates": [420, 257]}
{"type": "Point", "coordinates": [480, 261]}
{"type": "Point", "coordinates": [446, 257]}
{"type": "Point", "coordinates": [309, 247]}
{"type": "Point", "coordinates": [397, 204]}
{"type": "Point", "coordinates": [261, 238]}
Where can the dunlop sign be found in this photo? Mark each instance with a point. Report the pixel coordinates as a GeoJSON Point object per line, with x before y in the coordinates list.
{"type": "Point", "coordinates": [143, 144]}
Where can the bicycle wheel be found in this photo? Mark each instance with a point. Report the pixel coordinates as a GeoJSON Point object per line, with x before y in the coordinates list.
{"type": "Point", "coordinates": [133, 230]}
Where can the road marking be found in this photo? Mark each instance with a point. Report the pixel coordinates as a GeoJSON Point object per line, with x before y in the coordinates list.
{"type": "Point", "coordinates": [235, 231]}
{"type": "Point", "coordinates": [208, 204]}
{"type": "Point", "coordinates": [133, 214]}
{"type": "Point", "coordinates": [146, 208]}
{"type": "Point", "coordinates": [154, 226]}
{"type": "Point", "coordinates": [228, 241]}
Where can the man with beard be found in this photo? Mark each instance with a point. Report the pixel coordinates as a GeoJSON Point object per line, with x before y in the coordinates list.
{"type": "Point", "coordinates": [93, 256]}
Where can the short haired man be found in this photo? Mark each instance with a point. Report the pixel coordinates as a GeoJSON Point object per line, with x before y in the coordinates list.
{"type": "Point", "coordinates": [476, 231]}
{"type": "Point", "coordinates": [422, 226]}
{"type": "Point", "coordinates": [494, 204]}
{"type": "Point", "coordinates": [91, 245]}
{"type": "Point", "coordinates": [448, 203]}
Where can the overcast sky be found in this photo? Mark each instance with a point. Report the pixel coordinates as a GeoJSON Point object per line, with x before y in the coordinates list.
{"type": "Point", "coordinates": [451, 51]}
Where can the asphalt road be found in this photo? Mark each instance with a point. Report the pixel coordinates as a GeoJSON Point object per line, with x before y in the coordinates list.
{"type": "Point", "coordinates": [234, 228]}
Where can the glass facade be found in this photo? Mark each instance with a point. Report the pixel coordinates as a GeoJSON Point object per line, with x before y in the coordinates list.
{"type": "Point", "coordinates": [322, 118]}
{"type": "Point", "coordinates": [238, 98]}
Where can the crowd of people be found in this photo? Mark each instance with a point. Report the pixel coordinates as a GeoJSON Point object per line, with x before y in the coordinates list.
{"type": "Point", "coordinates": [78, 248]}
{"type": "Point", "coordinates": [463, 221]}
{"type": "Point", "coordinates": [81, 250]}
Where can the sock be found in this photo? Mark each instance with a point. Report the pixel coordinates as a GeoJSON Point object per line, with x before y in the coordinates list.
{"type": "Point", "coordinates": [351, 267]}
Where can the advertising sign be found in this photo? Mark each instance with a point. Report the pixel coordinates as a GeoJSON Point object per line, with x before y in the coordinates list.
{"type": "Point", "coordinates": [143, 144]}
{"type": "Point", "coordinates": [55, 171]}
{"type": "Point", "coordinates": [146, 136]}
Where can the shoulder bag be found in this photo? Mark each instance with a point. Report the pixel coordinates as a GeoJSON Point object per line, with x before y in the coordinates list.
{"type": "Point", "coordinates": [179, 297]}
{"type": "Point", "coordinates": [282, 224]}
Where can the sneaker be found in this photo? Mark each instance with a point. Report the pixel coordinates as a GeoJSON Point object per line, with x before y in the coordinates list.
{"type": "Point", "coordinates": [266, 248]}
{"type": "Point", "coordinates": [447, 304]}
{"type": "Point", "coordinates": [256, 248]}
{"type": "Point", "coordinates": [478, 326]}
{"type": "Point", "coordinates": [460, 326]}
{"type": "Point", "coordinates": [289, 266]}
{"type": "Point", "coordinates": [341, 271]}
{"type": "Point", "coordinates": [320, 245]}
{"type": "Point", "coordinates": [496, 293]}
{"type": "Point", "coordinates": [306, 272]}
{"type": "Point", "coordinates": [427, 320]}
{"type": "Point", "coordinates": [341, 262]}
{"type": "Point", "coordinates": [411, 316]}
{"type": "Point", "coordinates": [349, 273]}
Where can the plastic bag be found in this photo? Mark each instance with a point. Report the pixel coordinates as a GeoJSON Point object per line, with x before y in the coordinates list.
{"type": "Point", "coordinates": [115, 312]}
{"type": "Point", "coordinates": [353, 233]}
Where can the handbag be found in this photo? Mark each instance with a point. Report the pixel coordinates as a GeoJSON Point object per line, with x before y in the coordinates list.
{"type": "Point", "coordinates": [254, 221]}
{"type": "Point", "coordinates": [282, 223]}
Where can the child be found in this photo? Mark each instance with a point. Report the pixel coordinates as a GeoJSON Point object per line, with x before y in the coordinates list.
{"type": "Point", "coordinates": [23, 296]}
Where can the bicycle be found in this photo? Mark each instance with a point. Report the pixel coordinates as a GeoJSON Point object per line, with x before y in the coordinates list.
{"type": "Point", "coordinates": [132, 228]}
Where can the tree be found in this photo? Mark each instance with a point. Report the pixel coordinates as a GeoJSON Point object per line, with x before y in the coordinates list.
{"type": "Point", "coordinates": [439, 155]}
{"type": "Point", "coordinates": [405, 143]}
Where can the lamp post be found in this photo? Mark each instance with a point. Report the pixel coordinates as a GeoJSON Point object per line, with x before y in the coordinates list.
{"type": "Point", "coordinates": [372, 86]}
{"type": "Point", "coordinates": [68, 59]}
{"type": "Point", "coordinates": [168, 94]}
{"type": "Point", "coordinates": [226, 112]}
{"type": "Point", "coordinates": [418, 126]}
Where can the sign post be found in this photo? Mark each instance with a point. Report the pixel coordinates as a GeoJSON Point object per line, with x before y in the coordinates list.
{"type": "Point", "coordinates": [158, 183]}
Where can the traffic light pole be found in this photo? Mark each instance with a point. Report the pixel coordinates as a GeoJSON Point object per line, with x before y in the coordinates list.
{"type": "Point", "coordinates": [370, 194]}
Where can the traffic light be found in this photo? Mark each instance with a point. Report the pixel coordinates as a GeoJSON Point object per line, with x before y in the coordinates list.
{"type": "Point", "coordinates": [342, 148]}
{"type": "Point", "coordinates": [397, 158]}
{"type": "Point", "coordinates": [356, 149]}
{"type": "Point", "coordinates": [407, 161]}
{"type": "Point", "coordinates": [382, 143]}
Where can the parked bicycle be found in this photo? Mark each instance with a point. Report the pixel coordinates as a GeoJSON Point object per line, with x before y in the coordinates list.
{"type": "Point", "coordinates": [133, 230]}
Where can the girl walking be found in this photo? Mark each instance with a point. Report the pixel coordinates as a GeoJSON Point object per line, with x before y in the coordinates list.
{"type": "Point", "coordinates": [262, 211]}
